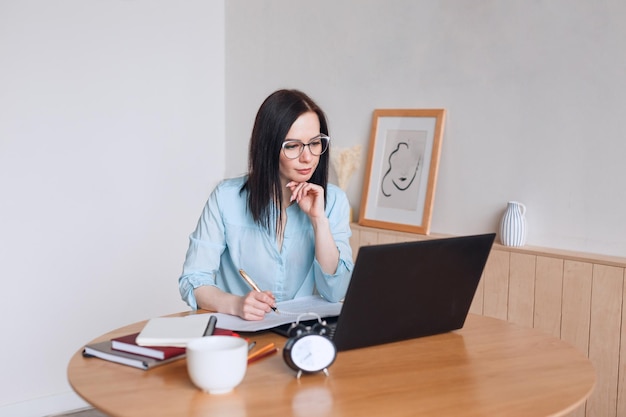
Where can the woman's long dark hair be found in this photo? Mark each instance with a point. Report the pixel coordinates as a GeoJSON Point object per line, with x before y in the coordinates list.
{"type": "Point", "coordinates": [273, 121]}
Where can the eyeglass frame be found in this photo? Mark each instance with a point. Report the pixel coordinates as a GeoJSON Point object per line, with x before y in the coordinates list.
{"type": "Point", "coordinates": [304, 145]}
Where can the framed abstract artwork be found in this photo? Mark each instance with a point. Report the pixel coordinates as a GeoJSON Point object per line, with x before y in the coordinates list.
{"type": "Point", "coordinates": [401, 171]}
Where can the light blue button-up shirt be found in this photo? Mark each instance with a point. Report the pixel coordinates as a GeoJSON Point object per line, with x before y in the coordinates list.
{"type": "Point", "coordinates": [227, 239]}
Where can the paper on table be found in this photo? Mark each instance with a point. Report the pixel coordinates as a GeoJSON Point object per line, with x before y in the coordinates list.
{"type": "Point", "coordinates": [288, 312]}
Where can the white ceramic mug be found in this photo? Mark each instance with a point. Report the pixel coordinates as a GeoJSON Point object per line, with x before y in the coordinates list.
{"type": "Point", "coordinates": [217, 364]}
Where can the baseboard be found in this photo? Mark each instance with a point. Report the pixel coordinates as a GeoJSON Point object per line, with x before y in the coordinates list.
{"type": "Point", "coordinates": [44, 406]}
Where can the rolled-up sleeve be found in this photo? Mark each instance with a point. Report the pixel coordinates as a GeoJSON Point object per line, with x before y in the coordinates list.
{"type": "Point", "coordinates": [206, 245]}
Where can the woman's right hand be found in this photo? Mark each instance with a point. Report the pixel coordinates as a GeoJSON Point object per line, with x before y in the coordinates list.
{"type": "Point", "coordinates": [255, 304]}
{"type": "Point", "coordinates": [252, 306]}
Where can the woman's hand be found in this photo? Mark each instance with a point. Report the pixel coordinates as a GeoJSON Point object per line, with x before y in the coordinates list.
{"type": "Point", "coordinates": [252, 306]}
{"type": "Point", "coordinates": [255, 304]}
{"type": "Point", "coordinates": [310, 198]}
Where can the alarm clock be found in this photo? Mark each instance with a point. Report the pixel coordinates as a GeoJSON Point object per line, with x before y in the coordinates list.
{"type": "Point", "coordinates": [308, 349]}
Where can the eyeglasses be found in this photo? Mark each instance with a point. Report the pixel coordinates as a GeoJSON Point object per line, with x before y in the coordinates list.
{"type": "Point", "coordinates": [292, 148]}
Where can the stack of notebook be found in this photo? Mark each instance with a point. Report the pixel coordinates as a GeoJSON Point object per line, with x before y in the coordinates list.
{"type": "Point", "coordinates": [161, 341]}
{"type": "Point", "coordinates": [124, 350]}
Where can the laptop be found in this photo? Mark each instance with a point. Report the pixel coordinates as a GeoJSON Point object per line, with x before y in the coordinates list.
{"type": "Point", "coordinates": [401, 291]}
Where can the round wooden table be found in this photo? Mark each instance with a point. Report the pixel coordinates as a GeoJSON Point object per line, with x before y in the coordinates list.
{"type": "Point", "coordinates": [488, 368]}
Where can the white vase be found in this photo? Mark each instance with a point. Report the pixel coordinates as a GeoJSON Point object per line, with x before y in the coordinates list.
{"type": "Point", "coordinates": [513, 225]}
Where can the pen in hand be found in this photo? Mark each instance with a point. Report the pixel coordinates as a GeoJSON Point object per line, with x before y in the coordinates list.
{"type": "Point", "coordinates": [253, 285]}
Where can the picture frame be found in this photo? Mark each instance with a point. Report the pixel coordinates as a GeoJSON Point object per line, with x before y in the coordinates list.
{"type": "Point", "coordinates": [401, 172]}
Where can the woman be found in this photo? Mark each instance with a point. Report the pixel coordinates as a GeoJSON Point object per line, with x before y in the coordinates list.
{"type": "Point", "coordinates": [282, 223]}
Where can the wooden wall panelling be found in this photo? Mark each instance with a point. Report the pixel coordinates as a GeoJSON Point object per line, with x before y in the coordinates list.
{"type": "Point", "coordinates": [576, 311]}
{"type": "Point", "coordinates": [576, 308]}
{"type": "Point", "coordinates": [368, 237]}
{"type": "Point", "coordinates": [521, 289]}
{"type": "Point", "coordinates": [621, 382]}
{"type": "Point", "coordinates": [496, 288]}
{"type": "Point", "coordinates": [355, 242]}
{"type": "Point", "coordinates": [388, 238]}
{"type": "Point", "coordinates": [604, 337]}
{"type": "Point", "coordinates": [548, 295]}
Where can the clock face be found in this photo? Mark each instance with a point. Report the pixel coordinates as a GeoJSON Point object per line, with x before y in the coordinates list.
{"type": "Point", "coordinates": [312, 353]}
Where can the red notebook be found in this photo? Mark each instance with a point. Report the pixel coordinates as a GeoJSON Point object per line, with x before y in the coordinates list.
{"type": "Point", "coordinates": [127, 344]}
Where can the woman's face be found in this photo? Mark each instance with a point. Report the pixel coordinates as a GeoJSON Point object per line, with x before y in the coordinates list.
{"type": "Point", "coordinates": [300, 169]}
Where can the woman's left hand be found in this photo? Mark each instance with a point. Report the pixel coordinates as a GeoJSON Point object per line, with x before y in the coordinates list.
{"type": "Point", "coordinates": [310, 197]}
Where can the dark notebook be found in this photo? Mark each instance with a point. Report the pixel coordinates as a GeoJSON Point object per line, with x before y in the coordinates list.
{"type": "Point", "coordinates": [405, 290]}
{"type": "Point", "coordinates": [103, 350]}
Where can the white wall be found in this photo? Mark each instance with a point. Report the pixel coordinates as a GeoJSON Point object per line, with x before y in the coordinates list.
{"type": "Point", "coordinates": [112, 119]}
{"type": "Point", "coordinates": [535, 93]}
{"type": "Point", "coordinates": [111, 137]}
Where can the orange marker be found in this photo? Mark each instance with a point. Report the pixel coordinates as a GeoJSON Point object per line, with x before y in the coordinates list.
{"type": "Point", "coordinates": [267, 350]}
